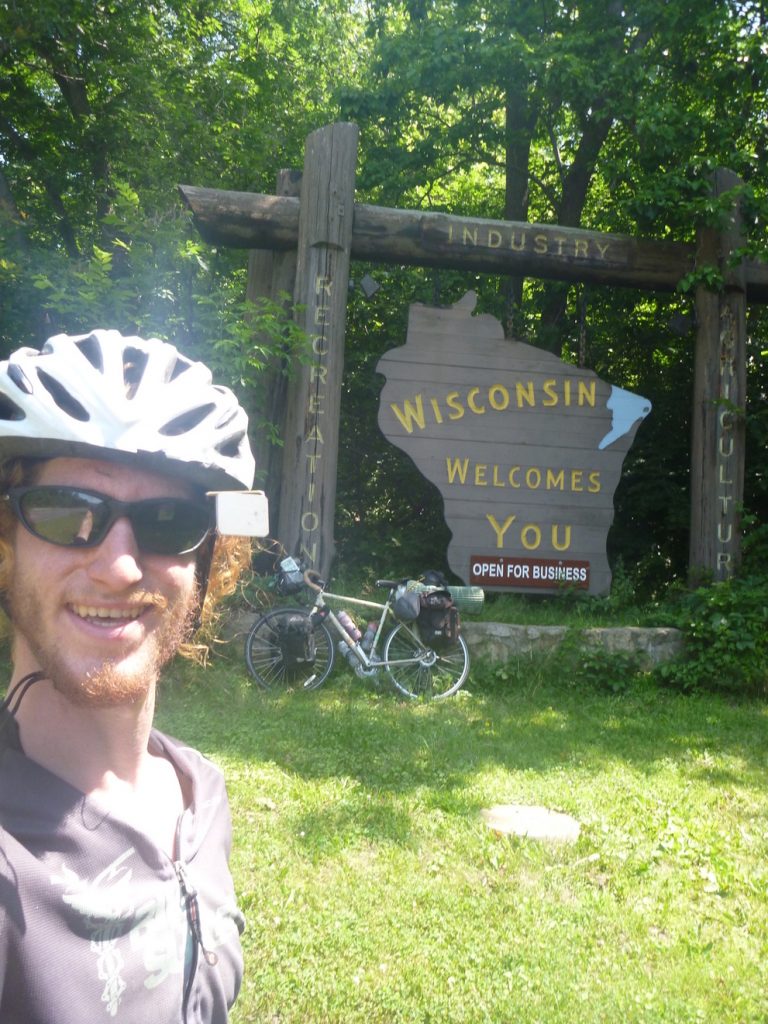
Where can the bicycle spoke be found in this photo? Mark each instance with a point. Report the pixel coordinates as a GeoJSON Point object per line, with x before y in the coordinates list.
{"type": "Point", "coordinates": [442, 678]}
{"type": "Point", "coordinates": [266, 658]}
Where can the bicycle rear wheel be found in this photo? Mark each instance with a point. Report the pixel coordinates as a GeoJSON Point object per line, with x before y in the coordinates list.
{"type": "Point", "coordinates": [442, 678]}
{"type": "Point", "coordinates": [264, 654]}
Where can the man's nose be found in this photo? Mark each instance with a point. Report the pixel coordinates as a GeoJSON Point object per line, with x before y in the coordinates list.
{"type": "Point", "coordinates": [116, 561]}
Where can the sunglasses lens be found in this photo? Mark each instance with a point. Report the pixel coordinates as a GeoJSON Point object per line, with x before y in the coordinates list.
{"type": "Point", "coordinates": [64, 515]}
{"type": "Point", "coordinates": [169, 526]}
{"type": "Point", "coordinates": [72, 518]}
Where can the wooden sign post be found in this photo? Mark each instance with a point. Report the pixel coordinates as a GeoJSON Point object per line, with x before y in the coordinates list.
{"type": "Point", "coordinates": [329, 229]}
{"type": "Point", "coordinates": [311, 443]}
{"type": "Point", "coordinates": [719, 402]}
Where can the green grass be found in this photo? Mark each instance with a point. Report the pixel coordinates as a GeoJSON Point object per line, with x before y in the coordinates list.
{"type": "Point", "coordinates": [566, 610]}
{"type": "Point", "coordinates": [375, 893]}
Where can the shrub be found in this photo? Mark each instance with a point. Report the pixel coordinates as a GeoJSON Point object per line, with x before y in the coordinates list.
{"type": "Point", "coordinates": [604, 671]}
{"type": "Point", "coordinates": [726, 639]}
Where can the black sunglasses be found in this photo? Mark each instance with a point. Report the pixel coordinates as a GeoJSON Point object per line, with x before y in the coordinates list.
{"type": "Point", "coordinates": [73, 517]}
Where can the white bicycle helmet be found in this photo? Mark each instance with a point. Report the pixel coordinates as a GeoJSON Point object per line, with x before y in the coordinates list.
{"type": "Point", "coordinates": [139, 400]}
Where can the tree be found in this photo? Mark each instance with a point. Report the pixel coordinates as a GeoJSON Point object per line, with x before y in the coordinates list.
{"type": "Point", "coordinates": [105, 108]}
{"type": "Point", "coordinates": [574, 113]}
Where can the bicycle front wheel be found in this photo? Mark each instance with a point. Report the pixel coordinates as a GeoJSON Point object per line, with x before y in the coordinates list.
{"type": "Point", "coordinates": [275, 668]}
{"type": "Point", "coordinates": [443, 677]}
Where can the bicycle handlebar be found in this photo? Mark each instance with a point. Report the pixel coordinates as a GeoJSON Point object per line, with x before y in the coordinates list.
{"type": "Point", "coordinates": [315, 582]}
{"type": "Point", "coordinates": [310, 576]}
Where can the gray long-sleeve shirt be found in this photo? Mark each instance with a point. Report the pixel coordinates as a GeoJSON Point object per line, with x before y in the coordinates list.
{"type": "Point", "coordinates": [96, 922]}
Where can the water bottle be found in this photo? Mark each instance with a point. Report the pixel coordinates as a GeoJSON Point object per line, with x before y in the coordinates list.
{"type": "Point", "coordinates": [346, 652]}
{"type": "Point", "coordinates": [349, 625]}
{"type": "Point", "coordinates": [368, 637]}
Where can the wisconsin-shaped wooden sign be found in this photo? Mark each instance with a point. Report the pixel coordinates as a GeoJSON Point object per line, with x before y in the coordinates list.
{"type": "Point", "coordinates": [525, 449]}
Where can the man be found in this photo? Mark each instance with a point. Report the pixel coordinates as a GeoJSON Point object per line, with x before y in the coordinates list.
{"type": "Point", "coordinates": [116, 901]}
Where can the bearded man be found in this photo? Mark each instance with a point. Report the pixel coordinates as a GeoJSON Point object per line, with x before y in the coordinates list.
{"type": "Point", "coordinates": [116, 900]}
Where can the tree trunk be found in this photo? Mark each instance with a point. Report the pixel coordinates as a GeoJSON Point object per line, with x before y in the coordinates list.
{"type": "Point", "coordinates": [519, 124]}
{"type": "Point", "coordinates": [272, 273]}
{"type": "Point", "coordinates": [9, 212]}
{"type": "Point", "coordinates": [575, 189]}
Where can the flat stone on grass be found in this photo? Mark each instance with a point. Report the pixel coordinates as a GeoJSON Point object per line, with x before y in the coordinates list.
{"type": "Point", "coordinates": [533, 822]}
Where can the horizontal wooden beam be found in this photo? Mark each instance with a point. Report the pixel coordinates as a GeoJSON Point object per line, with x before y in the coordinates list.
{"type": "Point", "coordinates": [250, 220]}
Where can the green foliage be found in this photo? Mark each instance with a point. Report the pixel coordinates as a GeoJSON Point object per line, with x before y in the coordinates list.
{"type": "Point", "coordinates": [583, 667]}
{"type": "Point", "coordinates": [755, 545]}
{"type": "Point", "coordinates": [106, 109]}
{"type": "Point", "coordinates": [622, 606]}
{"type": "Point", "coordinates": [604, 671]}
{"type": "Point", "coordinates": [706, 275]}
{"type": "Point", "coordinates": [726, 641]}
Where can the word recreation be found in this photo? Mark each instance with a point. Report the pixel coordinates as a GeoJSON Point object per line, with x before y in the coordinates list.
{"type": "Point", "coordinates": [314, 441]}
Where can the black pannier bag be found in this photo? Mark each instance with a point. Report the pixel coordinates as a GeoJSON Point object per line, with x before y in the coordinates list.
{"type": "Point", "coordinates": [297, 641]}
{"type": "Point", "coordinates": [290, 578]}
{"type": "Point", "coordinates": [407, 604]}
{"type": "Point", "coordinates": [438, 621]}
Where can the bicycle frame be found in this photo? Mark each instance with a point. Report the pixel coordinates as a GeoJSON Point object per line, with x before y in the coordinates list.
{"type": "Point", "coordinates": [369, 664]}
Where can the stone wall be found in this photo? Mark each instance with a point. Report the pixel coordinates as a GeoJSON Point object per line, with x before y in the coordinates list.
{"type": "Point", "coordinates": [501, 641]}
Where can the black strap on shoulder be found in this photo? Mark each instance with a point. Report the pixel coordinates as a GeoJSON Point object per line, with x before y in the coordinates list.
{"type": "Point", "coordinates": [10, 705]}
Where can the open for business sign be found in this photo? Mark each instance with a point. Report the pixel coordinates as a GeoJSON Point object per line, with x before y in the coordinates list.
{"type": "Point", "coordinates": [513, 573]}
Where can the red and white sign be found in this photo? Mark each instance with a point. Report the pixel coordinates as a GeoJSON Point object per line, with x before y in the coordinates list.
{"type": "Point", "coordinates": [509, 573]}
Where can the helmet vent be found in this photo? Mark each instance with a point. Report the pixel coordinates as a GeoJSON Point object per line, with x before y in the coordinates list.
{"type": "Point", "coordinates": [91, 349]}
{"type": "Point", "coordinates": [179, 367]}
{"type": "Point", "coordinates": [187, 421]}
{"type": "Point", "coordinates": [9, 410]}
{"type": "Point", "coordinates": [134, 364]}
{"type": "Point", "coordinates": [19, 378]}
{"type": "Point", "coordinates": [62, 397]}
{"type": "Point", "coordinates": [226, 418]}
{"type": "Point", "coordinates": [231, 448]}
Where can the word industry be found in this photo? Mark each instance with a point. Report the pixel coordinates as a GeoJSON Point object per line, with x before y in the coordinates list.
{"type": "Point", "coordinates": [511, 572]}
{"type": "Point", "coordinates": [539, 240]}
